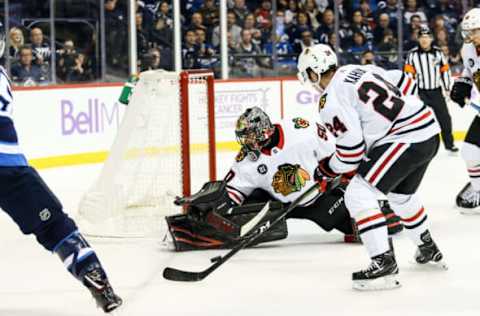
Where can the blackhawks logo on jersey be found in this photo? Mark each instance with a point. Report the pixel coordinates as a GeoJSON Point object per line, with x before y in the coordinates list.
{"type": "Point", "coordinates": [300, 122]}
{"type": "Point", "coordinates": [289, 178]}
{"type": "Point", "coordinates": [322, 101]}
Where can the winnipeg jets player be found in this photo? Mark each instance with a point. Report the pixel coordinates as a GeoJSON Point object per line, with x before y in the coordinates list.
{"type": "Point", "coordinates": [36, 210]}
{"type": "Point", "coordinates": [469, 197]}
{"type": "Point", "coordinates": [389, 139]}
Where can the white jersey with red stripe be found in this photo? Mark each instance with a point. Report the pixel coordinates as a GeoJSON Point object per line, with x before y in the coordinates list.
{"type": "Point", "coordinates": [286, 170]}
{"type": "Point", "coordinates": [362, 109]}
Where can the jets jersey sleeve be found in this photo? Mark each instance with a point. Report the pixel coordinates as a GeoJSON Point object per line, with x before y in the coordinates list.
{"type": "Point", "coordinates": [10, 152]}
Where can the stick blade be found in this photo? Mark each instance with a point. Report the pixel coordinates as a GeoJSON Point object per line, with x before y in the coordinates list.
{"type": "Point", "coordinates": [173, 274]}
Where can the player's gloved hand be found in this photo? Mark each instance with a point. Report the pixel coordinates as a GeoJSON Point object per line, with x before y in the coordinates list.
{"type": "Point", "coordinates": [461, 89]}
{"type": "Point", "coordinates": [324, 175]}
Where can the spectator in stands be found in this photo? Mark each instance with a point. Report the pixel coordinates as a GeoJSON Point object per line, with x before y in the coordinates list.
{"type": "Point", "coordinates": [412, 9]}
{"type": "Point", "coordinates": [161, 34]}
{"type": "Point", "coordinates": [454, 60]}
{"type": "Point", "coordinates": [163, 13]}
{"type": "Point", "coordinates": [280, 23]}
{"type": "Point", "coordinates": [241, 11]}
{"type": "Point", "coordinates": [250, 25]}
{"type": "Point", "coordinates": [358, 46]}
{"type": "Point", "coordinates": [250, 66]}
{"type": "Point", "coordinates": [16, 42]}
{"type": "Point", "coordinates": [151, 60]}
{"type": "Point", "coordinates": [263, 15]}
{"type": "Point", "coordinates": [142, 35]}
{"type": "Point", "coordinates": [291, 12]}
{"type": "Point", "coordinates": [41, 48]}
{"type": "Point", "coordinates": [328, 26]}
{"type": "Point", "coordinates": [303, 24]}
{"type": "Point", "coordinates": [79, 72]}
{"type": "Point", "coordinates": [66, 59]}
{"type": "Point", "coordinates": [190, 50]}
{"type": "Point", "coordinates": [305, 41]}
{"type": "Point", "coordinates": [411, 34]}
{"type": "Point", "coordinates": [232, 27]}
{"type": "Point", "coordinates": [197, 22]}
{"type": "Point", "coordinates": [368, 58]}
{"type": "Point", "coordinates": [447, 10]}
{"type": "Point", "coordinates": [440, 23]}
{"type": "Point", "coordinates": [25, 72]}
{"type": "Point", "coordinates": [285, 64]}
{"type": "Point", "coordinates": [311, 9]}
{"type": "Point", "coordinates": [205, 51]}
{"type": "Point", "coordinates": [210, 13]}
{"type": "Point", "coordinates": [388, 46]}
{"type": "Point", "coordinates": [358, 25]}
{"type": "Point", "coordinates": [367, 13]}
{"type": "Point", "coordinates": [188, 7]}
{"type": "Point", "coordinates": [383, 25]}
{"type": "Point", "coordinates": [390, 8]}
{"type": "Point", "coordinates": [116, 36]}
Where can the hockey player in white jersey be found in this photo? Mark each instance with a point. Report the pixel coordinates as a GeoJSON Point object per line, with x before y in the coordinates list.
{"type": "Point", "coordinates": [277, 161]}
{"type": "Point", "coordinates": [469, 197]}
{"type": "Point", "coordinates": [37, 211]}
{"type": "Point", "coordinates": [389, 140]}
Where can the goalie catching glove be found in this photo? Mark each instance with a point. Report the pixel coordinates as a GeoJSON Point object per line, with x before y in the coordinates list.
{"type": "Point", "coordinates": [213, 221]}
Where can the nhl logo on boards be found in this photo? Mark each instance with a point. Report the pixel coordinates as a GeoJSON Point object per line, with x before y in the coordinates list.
{"type": "Point", "coordinates": [262, 169]}
{"type": "Point", "coordinates": [45, 215]}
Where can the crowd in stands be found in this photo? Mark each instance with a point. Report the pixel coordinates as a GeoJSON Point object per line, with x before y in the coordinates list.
{"type": "Point", "coordinates": [259, 44]}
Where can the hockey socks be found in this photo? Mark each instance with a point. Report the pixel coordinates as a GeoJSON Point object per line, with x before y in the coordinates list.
{"type": "Point", "coordinates": [82, 262]}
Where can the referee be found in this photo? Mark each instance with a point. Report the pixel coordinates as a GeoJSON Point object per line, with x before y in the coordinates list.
{"type": "Point", "coordinates": [430, 68]}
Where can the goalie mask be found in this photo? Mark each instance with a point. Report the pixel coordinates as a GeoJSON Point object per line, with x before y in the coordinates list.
{"type": "Point", "coordinates": [253, 131]}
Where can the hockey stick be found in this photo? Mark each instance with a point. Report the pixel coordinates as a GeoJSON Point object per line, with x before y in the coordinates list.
{"type": "Point", "coordinates": [188, 276]}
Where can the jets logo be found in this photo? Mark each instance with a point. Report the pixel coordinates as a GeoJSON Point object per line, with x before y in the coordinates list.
{"type": "Point", "coordinates": [322, 101]}
{"type": "Point", "coordinates": [300, 122]}
{"type": "Point", "coordinates": [289, 178]}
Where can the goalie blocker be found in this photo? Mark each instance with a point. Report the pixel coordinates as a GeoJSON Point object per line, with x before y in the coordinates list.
{"type": "Point", "coordinates": [213, 221]}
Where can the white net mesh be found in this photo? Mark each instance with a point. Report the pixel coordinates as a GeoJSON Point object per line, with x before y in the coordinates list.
{"type": "Point", "coordinates": [143, 172]}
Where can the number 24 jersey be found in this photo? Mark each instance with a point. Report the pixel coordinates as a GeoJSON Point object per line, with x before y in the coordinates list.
{"type": "Point", "coordinates": [362, 109]}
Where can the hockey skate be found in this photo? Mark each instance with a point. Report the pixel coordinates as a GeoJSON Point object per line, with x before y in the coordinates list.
{"type": "Point", "coordinates": [468, 200]}
{"type": "Point", "coordinates": [97, 282]}
{"type": "Point", "coordinates": [428, 252]}
{"type": "Point", "coordinates": [380, 275]}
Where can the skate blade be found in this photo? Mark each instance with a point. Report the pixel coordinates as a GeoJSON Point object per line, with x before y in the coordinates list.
{"type": "Point", "coordinates": [469, 211]}
{"type": "Point", "coordinates": [384, 283]}
{"type": "Point", "coordinates": [441, 265]}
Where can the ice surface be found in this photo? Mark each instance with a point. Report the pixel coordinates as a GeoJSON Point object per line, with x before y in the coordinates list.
{"type": "Point", "coordinates": [306, 274]}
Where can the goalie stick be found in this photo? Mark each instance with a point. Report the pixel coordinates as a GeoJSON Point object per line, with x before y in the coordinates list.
{"type": "Point", "coordinates": [189, 276]}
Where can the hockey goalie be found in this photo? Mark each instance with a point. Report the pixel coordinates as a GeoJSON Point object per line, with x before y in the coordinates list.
{"type": "Point", "coordinates": [276, 163]}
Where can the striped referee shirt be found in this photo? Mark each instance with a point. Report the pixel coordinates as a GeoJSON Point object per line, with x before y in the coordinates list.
{"type": "Point", "coordinates": [429, 68]}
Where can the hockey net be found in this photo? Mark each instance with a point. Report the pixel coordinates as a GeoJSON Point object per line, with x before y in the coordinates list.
{"type": "Point", "coordinates": [164, 147]}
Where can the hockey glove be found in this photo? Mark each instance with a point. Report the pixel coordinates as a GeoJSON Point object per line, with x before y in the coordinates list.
{"type": "Point", "coordinates": [324, 174]}
{"type": "Point", "coordinates": [461, 89]}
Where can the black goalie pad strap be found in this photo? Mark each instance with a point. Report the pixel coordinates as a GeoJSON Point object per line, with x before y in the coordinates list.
{"type": "Point", "coordinates": [221, 232]}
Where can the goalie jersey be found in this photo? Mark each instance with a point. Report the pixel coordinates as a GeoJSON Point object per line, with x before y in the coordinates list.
{"type": "Point", "coordinates": [362, 109]}
{"type": "Point", "coordinates": [10, 152]}
{"type": "Point", "coordinates": [286, 170]}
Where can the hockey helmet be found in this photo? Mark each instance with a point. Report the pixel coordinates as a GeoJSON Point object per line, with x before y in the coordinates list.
{"type": "Point", "coordinates": [470, 22]}
{"type": "Point", "coordinates": [319, 59]}
{"type": "Point", "coordinates": [253, 130]}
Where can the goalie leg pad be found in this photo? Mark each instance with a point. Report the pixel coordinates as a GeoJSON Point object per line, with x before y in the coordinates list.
{"type": "Point", "coordinates": [190, 234]}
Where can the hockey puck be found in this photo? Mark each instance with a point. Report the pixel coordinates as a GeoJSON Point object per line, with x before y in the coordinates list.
{"type": "Point", "coordinates": [215, 259]}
